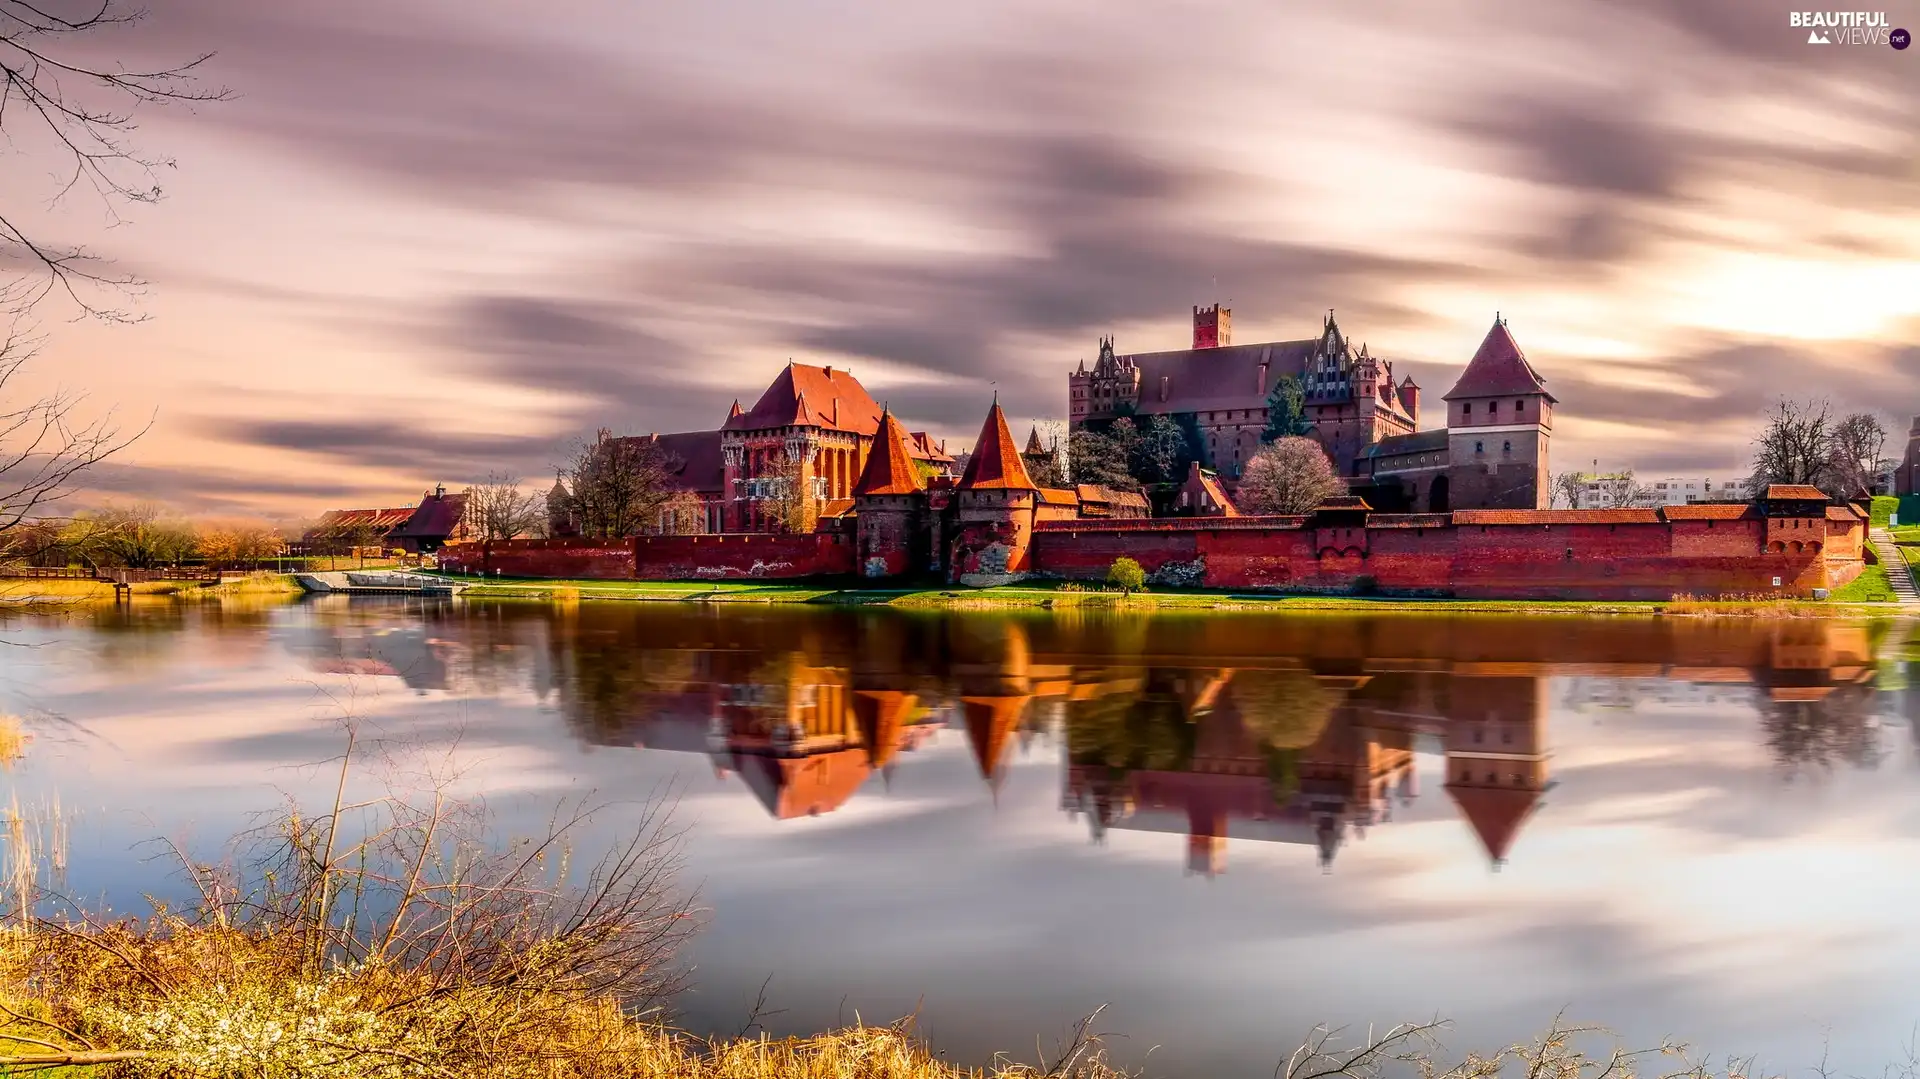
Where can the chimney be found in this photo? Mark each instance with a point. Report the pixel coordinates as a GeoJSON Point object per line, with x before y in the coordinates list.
{"type": "Point", "coordinates": [439, 490]}
{"type": "Point", "coordinates": [1261, 381]}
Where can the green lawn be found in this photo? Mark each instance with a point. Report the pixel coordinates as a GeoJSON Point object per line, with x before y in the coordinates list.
{"type": "Point", "coordinates": [1905, 534]}
{"type": "Point", "coordinates": [1870, 587]}
{"type": "Point", "coordinates": [1881, 508]}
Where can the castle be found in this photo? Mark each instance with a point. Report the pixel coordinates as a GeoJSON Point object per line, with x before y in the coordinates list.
{"type": "Point", "coordinates": [1493, 453]}
{"type": "Point", "coordinates": [1457, 511]}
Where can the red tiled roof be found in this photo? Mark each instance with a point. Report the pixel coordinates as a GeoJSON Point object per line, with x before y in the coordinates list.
{"type": "Point", "coordinates": [1498, 369]}
{"type": "Point", "coordinates": [835, 507]}
{"type": "Point", "coordinates": [1218, 494]}
{"type": "Point", "coordinates": [694, 458]}
{"type": "Point", "coordinates": [1033, 442]}
{"type": "Point", "coordinates": [1496, 814]}
{"type": "Point", "coordinates": [1053, 496]}
{"type": "Point", "coordinates": [337, 523]}
{"type": "Point", "coordinates": [889, 469]}
{"type": "Point", "coordinates": [1795, 492]}
{"type": "Point", "coordinates": [1843, 513]}
{"type": "Point", "coordinates": [1556, 517]}
{"type": "Point", "coordinates": [1409, 520]}
{"type": "Point", "coordinates": [922, 447]}
{"type": "Point", "coordinates": [806, 396]}
{"type": "Point", "coordinates": [996, 464]}
{"type": "Point", "coordinates": [1708, 511]}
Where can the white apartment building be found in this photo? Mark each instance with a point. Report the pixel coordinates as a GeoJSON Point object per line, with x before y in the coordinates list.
{"type": "Point", "coordinates": [1596, 490]}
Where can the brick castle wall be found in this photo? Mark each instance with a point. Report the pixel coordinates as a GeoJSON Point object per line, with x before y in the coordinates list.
{"type": "Point", "coordinates": [1423, 556]}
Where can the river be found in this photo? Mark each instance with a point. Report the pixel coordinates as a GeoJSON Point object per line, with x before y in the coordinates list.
{"type": "Point", "coordinates": [1228, 828]}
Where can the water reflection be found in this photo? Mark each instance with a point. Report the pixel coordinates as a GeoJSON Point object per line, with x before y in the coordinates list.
{"type": "Point", "coordinates": [1272, 731]}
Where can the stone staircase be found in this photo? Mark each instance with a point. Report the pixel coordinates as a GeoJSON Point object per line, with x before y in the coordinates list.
{"type": "Point", "coordinates": [1899, 574]}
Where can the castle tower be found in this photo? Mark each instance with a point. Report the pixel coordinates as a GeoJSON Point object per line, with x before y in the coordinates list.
{"type": "Point", "coordinates": [996, 508]}
{"type": "Point", "coordinates": [1497, 756]}
{"type": "Point", "coordinates": [1099, 394]}
{"type": "Point", "coordinates": [1906, 478]}
{"type": "Point", "coordinates": [1499, 426]}
{"type": "Point", "coordinates": [1212, 327]}
{"type": "Point", "coordinates": [890, 507]}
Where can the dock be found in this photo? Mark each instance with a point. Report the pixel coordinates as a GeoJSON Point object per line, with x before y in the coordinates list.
{"type": "Point", "coordinates": [376, 584]}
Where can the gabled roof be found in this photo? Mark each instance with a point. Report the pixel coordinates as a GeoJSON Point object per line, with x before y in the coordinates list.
{"type": "Point", "coordinates": [1795, 492]}
{"type": "Point", "coordinates": [1210, 483]}
{"type": "Point", "coordinates": [337, 523]}
{"type": "Point", "coordinates": [695, 459]}
{"type": "Point", "coordinates": [804, 786]}
{"type": "Point", "coordinates": [437, 518]}
{"type": "Point", "coordinates": [1431, 441]}
{"type": "Point", "coordinates": [806, 396]}
{"type": "Point", "coordinates": [922, 447]}
{"type": "Point", "coordinates": [1496, 814]}
{"type": "Point", "coordinates": [1844, 513]}
{"type": "Point", "coordinates": [1557, 517]}
{"type": "Point", "coordinates": [1498, 369]}
{"type": "Point", "coordinates": [889, 469]}
{"type": "Point", "coordinates": [996, 463]}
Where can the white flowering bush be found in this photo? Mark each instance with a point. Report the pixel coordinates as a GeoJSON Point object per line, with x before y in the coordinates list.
{"type": "Point", "coordinates": [279, 1030]}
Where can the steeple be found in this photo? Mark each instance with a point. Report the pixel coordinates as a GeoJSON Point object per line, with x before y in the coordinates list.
{"type": "Point", "coordinates": [1499, 369]}
{"type": "Point", "coordinates": [889, 469]}
{"type": "Point", "coordinates": [1034, 448]}
{"type": "Point", "coordinates": [996, 463]}
{"type": "Point", "coordinates": [735, 410]}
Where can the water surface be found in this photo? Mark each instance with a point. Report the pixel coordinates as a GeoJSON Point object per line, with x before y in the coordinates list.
{"type": "Point", "coordinates": [1227, 827]}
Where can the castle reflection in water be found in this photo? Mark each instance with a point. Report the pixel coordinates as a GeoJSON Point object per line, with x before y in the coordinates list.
{"type": "Point", "coordinates": [1298, 731]}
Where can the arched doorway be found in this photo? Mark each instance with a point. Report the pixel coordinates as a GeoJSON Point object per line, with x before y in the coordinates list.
{"type": "Point", "coordinates": [1437, 496]}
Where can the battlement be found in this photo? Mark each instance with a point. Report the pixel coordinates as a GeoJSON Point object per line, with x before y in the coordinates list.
{"type": "Point", "coordinates": [1212, 326]}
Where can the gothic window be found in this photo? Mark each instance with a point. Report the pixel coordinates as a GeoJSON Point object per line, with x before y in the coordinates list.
{"type": "Point", "coordinates": [1478, 448]}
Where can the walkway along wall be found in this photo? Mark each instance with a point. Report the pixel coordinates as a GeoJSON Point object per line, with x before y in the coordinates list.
{"type": "Point", "coordinates": [659, 558]}
{"type": "Point", "coordinates": [1483, 554]}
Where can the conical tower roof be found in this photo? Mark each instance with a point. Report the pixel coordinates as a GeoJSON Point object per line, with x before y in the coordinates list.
{"type": "Point", "coordinates": [889, 469]}
{"type": "Point", "coordinates": [1496, 814]}
{"type": "Point", "coordinates": [1034, 448]}
{"type": "Point", "coordinates": [996, 464]}
{"type": "Point", "coordinates": [882, 715]}
{"type": "Point", "coordinates": [1498, 369]}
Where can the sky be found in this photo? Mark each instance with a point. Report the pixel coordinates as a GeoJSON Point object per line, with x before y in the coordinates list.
{"type": "Point", "coordinates": [424, 242]}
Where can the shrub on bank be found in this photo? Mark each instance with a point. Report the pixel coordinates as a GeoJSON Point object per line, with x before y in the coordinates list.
{"type": "Point", "coordinates": [1126, 575]}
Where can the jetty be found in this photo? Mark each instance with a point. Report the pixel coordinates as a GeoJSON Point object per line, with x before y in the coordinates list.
{"type": "Point", "coordinates": [376, 584]}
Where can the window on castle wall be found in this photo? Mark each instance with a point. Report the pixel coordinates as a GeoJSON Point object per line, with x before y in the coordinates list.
{"type": "Point", "coordinates": [1479, 448]}
{"type": "Point", "coordinates": [1519, 406]}
{"type": "Point", "coordinates": [1467, 409]}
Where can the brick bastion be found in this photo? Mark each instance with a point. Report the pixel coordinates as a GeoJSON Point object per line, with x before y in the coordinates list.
{"type": "Point", "coordinates": [1646, 554]}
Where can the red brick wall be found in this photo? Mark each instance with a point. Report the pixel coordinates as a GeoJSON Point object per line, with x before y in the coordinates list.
{"type": "Point", "coordinates": [1521, 561]}
{"type": "Point", "coordinates": [684, 558]}
{"type": "Point", "coordinates": [584, 558]}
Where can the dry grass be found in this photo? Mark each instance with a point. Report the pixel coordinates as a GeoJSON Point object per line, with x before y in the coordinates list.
{"type": "Point", "coordinates": [13, 740]}
{"type": "Point", "coordinates": [1757, 605]}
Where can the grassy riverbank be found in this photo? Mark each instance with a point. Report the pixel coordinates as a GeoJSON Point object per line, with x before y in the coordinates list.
{"type": "Point", "coordinates": [67, 591]}
{"type": "Point", "coordinates": [1863, 599]}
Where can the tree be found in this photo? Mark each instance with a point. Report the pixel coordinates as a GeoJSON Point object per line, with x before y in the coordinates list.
{"type": "Point", "coordinates": [683, 514]}
{"type": "Point", "coordinates": [1103, 458]}
{"type": "Point", "coordinates": [1126, 575]}
{"type": "Point", "coordinates": [1621, 490]}
{"type": "Point", "coordinates": [61, 96]}
{"type": "Point", "coordinates": [619, 484]}
{"type": "Point", "coordinates": [1290, 476]}
{"type": "Point", "coordinates": [1567, 488]}
{"type": "Point", "coordinates": [1286, 411]}
{"type": "Point", "coordinates": [499, 509]}
{"type": "Point", "coordinates": [365, 533]}
{"type": "Point", "coordinates": [1795, 447]}
{"type": "Point", "coordinates": [1856, 449]}
{"type": "Point", "coordinates": [141, 536]}
{"type": "Point", "coordinates": [237, 543]}
{"type": "Point", "coordinates": [1053, 470]}
{"type": "Point", "coordinates": [789, 500]}
{"type": "Point", "coordinates": [1160, 453]}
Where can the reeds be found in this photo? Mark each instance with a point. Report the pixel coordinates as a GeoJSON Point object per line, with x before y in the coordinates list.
{"type": "Point", "coordinates": [13, 741]}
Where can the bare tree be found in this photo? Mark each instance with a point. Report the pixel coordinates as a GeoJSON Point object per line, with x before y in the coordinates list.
{"type": "Point", "coordinates": [60, 96]}
{"type": "Point", "coordinates": [1856, 449]}
{"type": "Point", "coordinates": [619, 484]}
{"type": "Point", "coordinates": [1292, 475]}
{"type": "Point", "coordinates": [1795, 447]}
{"type": "Point", "coordinates": [1055, 436]}
{"type": "Point", "coordinates": [140, 536]}
{"type": "Point", "coordinates": [789, 499]}
{"type": "Point", "coordinates": [45, 442]}
{"type": "Point", "coordinates": [1566, 489]}
{"type": "Point", "coordinates": [499, 509]}
{"type": "Point", "coordinates": [683, 514]}
{"type": "Point", "coordinates": [1621, 490]}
